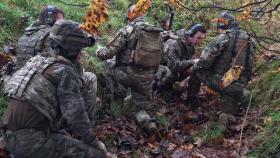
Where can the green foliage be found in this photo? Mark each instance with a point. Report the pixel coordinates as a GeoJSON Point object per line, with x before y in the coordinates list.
{"type": "Point", "coordinates": [213, 134]}
{"type": "Point", "coordinates": [11, 24]}
{"type": "Point", "coordinates": [268, 140]}
{"type": "Point", "coordinates": [269, 83]}
{"type": "Point", "coordinates": [94, 65]}
{"type": "Point", "coordinates": [116, 109]}
{"type": "Point", "coordinates": [163, 121]}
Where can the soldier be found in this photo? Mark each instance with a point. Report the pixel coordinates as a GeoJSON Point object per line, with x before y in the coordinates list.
{"type": "Point", "coordinates": [36, 40]}
{"type": "Point", "coordinates": [179, 56]}
{"type": "Point", "coordinates": [36, 37]}
{"type": "Point", "coordinates": [137, 60]}
{"type": "Point", "coordinates": [46, 92]}
{"type": "Point", "coordinates": [233, 47]}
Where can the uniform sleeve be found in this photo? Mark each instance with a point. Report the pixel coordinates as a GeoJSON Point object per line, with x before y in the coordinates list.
{"type": "Point", "coordinates": [72, 105]}
{"type": "Point", "coordinates": [211, 52]}
{"type": "Point", "coordinates": [114, 47]}
{"type": "Point", "coordinates": [173, 58]}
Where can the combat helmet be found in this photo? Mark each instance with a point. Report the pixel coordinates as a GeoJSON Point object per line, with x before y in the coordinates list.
{"type": "Point", "coordinates": [68, 35]}
{"type": "Point", "coordinates": [231, 21]}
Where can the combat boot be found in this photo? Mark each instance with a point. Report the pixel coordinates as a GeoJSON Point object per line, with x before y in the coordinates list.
{"type": "Point", "coordinates": [225, 120]}
{"type": "Point", "coordinates": [145, 121]}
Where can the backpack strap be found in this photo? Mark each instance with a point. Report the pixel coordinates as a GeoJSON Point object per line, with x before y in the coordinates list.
{"type": "Point", "coordinates": [232, 43]}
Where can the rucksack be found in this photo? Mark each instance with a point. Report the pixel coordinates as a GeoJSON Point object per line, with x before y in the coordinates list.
{"type": "Point", "coordinates": [149, 47]}
{"type": "Point", "coordinates": [32, 42]}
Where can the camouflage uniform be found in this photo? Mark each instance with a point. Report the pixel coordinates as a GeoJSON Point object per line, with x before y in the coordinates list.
{"type": "Point", "coordinates": [216, 59]}
{"type": "Point", "coordinates": [45, 95]}
{"type": "Point", "coordinates": [138, 78]}
{"type": "Point", "coordinates": [178, 57]}
{"type": "Point", "coordinates": [36, 40]}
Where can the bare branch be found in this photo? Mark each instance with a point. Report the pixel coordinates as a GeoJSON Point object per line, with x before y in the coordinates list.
{"type": "Point", "coordinates": [76, 5]}
{"type": "Point", "coordinates": [259, 42]}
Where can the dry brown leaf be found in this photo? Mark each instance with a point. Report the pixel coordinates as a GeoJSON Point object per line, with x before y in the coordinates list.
{"type": "Point", "coordinates": [247, 12]}
{"type": "Point", "coordinates": [197, 141]}
{"type": "Point", "coordinates": [197, 155]}
{"type": "Point", "coordinates": [141, 7]}
{"type": "Point", "coordinates": [267, 120]}
{"type": "Point", "coordinates": [5, 58]}
{"type": "Point", "coordinates": [188, 147]}
{"type": "Point", "coordinates": [177, 4]}
{"type": "Point", "coordinates": [190, 129]}
{"type": "Point", "coordinates": [220, 20]}
{"type": "Point", "coordinates": [171, 147]}
{"type": "Point", "coordinates": [97, 14]}
{"type": "Point", "coordinates": [231, 75]}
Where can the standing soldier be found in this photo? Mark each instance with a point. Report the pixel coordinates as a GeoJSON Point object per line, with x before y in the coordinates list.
{"type": "Point", "coordinates": [179, 56]}
{"type": "Point", "coordinates": [138, 49]}
{"type": "Point", "coordinates": [46, 92]}
{"type": "Point", "coordinates": [233, 47]}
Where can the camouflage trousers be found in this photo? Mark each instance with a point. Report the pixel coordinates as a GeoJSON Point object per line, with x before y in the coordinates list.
{"type": "Point", "coordinates": [230, 97]}
{"type": "Point", "coordinates": [140, 81]}
{"type": "Point", "coordinates": [168, 86]}
{"type": "Point", "coordinates": [31, 143]}
{"type": "Point", "coordinates": [89, 90]}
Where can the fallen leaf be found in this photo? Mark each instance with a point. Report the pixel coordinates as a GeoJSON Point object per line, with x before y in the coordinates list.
{"type": "Point", "coordinates": [187, 147]}
{"type": "Point", "coordinates": [141, 7]}
{"type": "Point", "coordinates": [231, 75]}
{"type": "Point", "coordinates": [267, 120]}
{"type": "Point", "coordinates": [181, 154]}
{"type": "Point", "coordinates": [190, 129]}
{"type": "Point", "coordinates": [97, 14]}
{"type": "Point", "coordinates": [197, 141]}
{"type": "Point", "coordinates": [197, 155]}
{"type": "Point", "coordinates": [171, 147]}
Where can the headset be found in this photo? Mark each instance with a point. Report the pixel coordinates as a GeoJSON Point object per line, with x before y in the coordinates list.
{"type": "Point", "coordinates": [50, 17]}
{"type": "Point", "coordinates": [193, 29]}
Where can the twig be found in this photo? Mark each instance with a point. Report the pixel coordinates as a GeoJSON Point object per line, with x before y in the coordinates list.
{"type": "Point", "coordinates": [242, 126]}
{"type": "Point", "coordinates": [76, 5]}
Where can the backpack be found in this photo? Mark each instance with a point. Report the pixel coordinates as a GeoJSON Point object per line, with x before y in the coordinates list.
{"type": "Point", "coordinates": [149, 47]}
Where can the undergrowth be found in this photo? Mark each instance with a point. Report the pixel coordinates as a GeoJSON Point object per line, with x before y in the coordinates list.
{"type": "Point", "coordinates": [267, 98]}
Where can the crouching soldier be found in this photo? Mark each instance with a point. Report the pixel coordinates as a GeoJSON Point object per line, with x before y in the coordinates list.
{"type": "Point", "coordinates": [138, 50]}
{"type": "Point", "coordinates": [178, 57]}
{"type": "Point", "coordinates": [46, 92]}
{"type": "Point", "coordinates": [232, 49]}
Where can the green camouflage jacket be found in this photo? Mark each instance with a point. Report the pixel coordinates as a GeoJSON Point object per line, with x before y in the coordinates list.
{"type": "Point", "coordinates": [217, 58]}
{"type": "Point", "coordinates": [178, 55]}
{"type": "Point", "coordinates": [122, 43]}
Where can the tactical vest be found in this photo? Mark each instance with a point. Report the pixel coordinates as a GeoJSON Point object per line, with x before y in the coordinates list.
{"type": "Point", "coordinates": [33, 41]}
{"type": "Point", "coordinates": [28, 84]}
{"type": "Point", "coordinates": [239, 49]}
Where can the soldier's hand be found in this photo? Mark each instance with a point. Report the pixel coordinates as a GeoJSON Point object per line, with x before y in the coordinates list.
{"type": "Point", "coordinates": [98, 49]}
{"type": "Point", "coordinates": [195, 61]}
{"type": "Point", "coordinates": [99, 145]}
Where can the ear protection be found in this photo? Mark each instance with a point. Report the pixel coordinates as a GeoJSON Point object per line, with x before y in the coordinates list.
{"type": "Point", "coordinates": [192, 30]}
{"type": "Point", "coordinates": [50, 17]}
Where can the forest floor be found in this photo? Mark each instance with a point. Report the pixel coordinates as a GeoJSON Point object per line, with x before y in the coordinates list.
{"type": "Point", "coordinates": [182, 133]}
